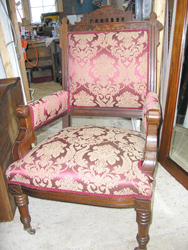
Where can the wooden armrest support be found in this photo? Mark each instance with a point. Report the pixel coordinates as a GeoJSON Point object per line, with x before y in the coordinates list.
{"type": "Point", "coordinates": [153, 119]}
{"type": "Point", "coordinates": [25, 138]}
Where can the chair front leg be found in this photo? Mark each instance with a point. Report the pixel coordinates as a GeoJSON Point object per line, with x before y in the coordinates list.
{"type": "Point", "coordinates": [143, 218]}
{"type": "Point", "coordinates": [22, 204]}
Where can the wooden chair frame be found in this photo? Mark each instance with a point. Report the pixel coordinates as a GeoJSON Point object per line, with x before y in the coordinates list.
{"type": "Point", "coordinates": [121, 20]}
{"type": "Point", "coordinates": [103, 19]}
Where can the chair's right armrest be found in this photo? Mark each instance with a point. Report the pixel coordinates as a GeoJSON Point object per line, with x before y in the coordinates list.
{"type": "Point", "coordinates": [151, 120]}
{"type": "Point", "coordinates": [151, 103]}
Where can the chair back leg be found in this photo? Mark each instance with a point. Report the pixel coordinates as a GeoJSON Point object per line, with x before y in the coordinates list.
{"type": "Point", "coordinates": [66, 121]}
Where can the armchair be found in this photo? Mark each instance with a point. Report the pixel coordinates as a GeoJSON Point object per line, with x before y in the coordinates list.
{"type": "Point", "coordinates": [109, 69]}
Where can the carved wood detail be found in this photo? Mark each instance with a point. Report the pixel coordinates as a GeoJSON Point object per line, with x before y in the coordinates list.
{"type": "Point", "coordinates": [143, 205]}
{"type": "Point", "coordinates": [22, 203]}
{"type": "Point", "coordinates": [15, 189]}
{"type": "Point", "coordinates": [109, 26]}
{"type": "Point", "coordinates": [21, 200]}
{"type": "Point", "coordinates": [150, 159]}
{"type": "Point", "coordinates": [143, 218]}
{"type": "Point", "coordinates": [107, 14]}
{"type": "Point", "coordinates": [26, 136]}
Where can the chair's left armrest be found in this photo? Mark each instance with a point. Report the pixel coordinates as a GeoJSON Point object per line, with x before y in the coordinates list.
{"type": "Point", "coordinates": [151, 117]}
{"type": "Point", "coordinates": [35, 115]}
{"type": "Point", "coordinates": [48, 108]}
{"type": "Point", "coordinates": [22, 144]}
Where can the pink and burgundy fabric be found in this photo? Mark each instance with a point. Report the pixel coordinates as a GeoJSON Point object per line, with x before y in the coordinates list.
{"type": "Point", "coordinates": [86, 160]}
{"type": "Point", "coordinates": [108, 69]}
{"type": "Point", "coordinates": [48, 108]}
{"type": "Point", "coordinates": [151, 103]}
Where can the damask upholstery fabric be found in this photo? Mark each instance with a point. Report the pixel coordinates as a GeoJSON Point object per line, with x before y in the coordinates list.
{"type": "Point", "coordinates": [48, 108]}
{"type": "Point", "coordinates": [108, 69]}
{"type": "Point", "coordinates": [151, 103]}
{"type": "Point", "coordinates": [101, 161]}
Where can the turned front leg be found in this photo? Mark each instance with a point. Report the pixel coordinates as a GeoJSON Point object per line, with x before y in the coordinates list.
{"type": "Point", "coordinates": [22, 204]}
{"type": "Point", "coordinates": [143, 218]}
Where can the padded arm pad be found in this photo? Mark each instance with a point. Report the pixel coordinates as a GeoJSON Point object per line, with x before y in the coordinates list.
{"type": "Point", "coordinates": [48, 108]}
{"type": "Point", "coordinates": [151, 103]}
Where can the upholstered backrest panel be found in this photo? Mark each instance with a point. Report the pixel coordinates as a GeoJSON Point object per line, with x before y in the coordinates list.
{"type": "Point", "coordinates": [108, 69]}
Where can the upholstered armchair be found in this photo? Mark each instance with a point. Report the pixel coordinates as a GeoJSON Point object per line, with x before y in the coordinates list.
{"type": "Point", "coordinates": [109, 69]}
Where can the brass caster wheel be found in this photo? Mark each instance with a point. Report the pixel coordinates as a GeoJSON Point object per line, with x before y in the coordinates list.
{"type": "Point", "coordinates": [30, 230]}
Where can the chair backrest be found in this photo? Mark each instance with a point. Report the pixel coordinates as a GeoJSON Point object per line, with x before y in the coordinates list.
{"type": "Point", "coordinates": [109, 62]}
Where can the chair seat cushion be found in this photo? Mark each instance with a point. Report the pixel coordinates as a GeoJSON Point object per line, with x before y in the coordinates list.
{"type": "Point", "coordinates": [101, 161]}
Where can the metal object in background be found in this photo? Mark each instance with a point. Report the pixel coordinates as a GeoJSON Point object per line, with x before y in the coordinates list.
{"type": "Point", "coordinates": [141, 8]}
{"type": "Point", "coordinates": [146, 8]}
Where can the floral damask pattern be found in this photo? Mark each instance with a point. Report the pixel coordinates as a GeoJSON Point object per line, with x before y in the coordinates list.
{"type": "Point", "coordinates": [84, 99]}
{"type": "Point", "coordinates": [127, 99]}
{"type": "Point", "coordinates": [48, 107]}
{"type": "Point", "coordinates": [105, 65]}
{"type": "Point", "coordinates": [91, 159]}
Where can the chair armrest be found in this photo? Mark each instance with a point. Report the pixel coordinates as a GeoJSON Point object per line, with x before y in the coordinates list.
{"type": "Point", "coordinates": [150, 159]}
{"type": "Point", "coordinates": [26, 137]}
{"type": "Point", "coordinates": [151, 103]}
{"type": "Point", "coordinates": [48, 108]}
{"type": "Point", "coordinates": [35, 115]}
{"type": "Point", "coordinates": [151, 119]}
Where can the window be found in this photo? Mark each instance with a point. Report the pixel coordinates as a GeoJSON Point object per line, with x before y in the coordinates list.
{"type": "Point", "coordinates": [41, 6]}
